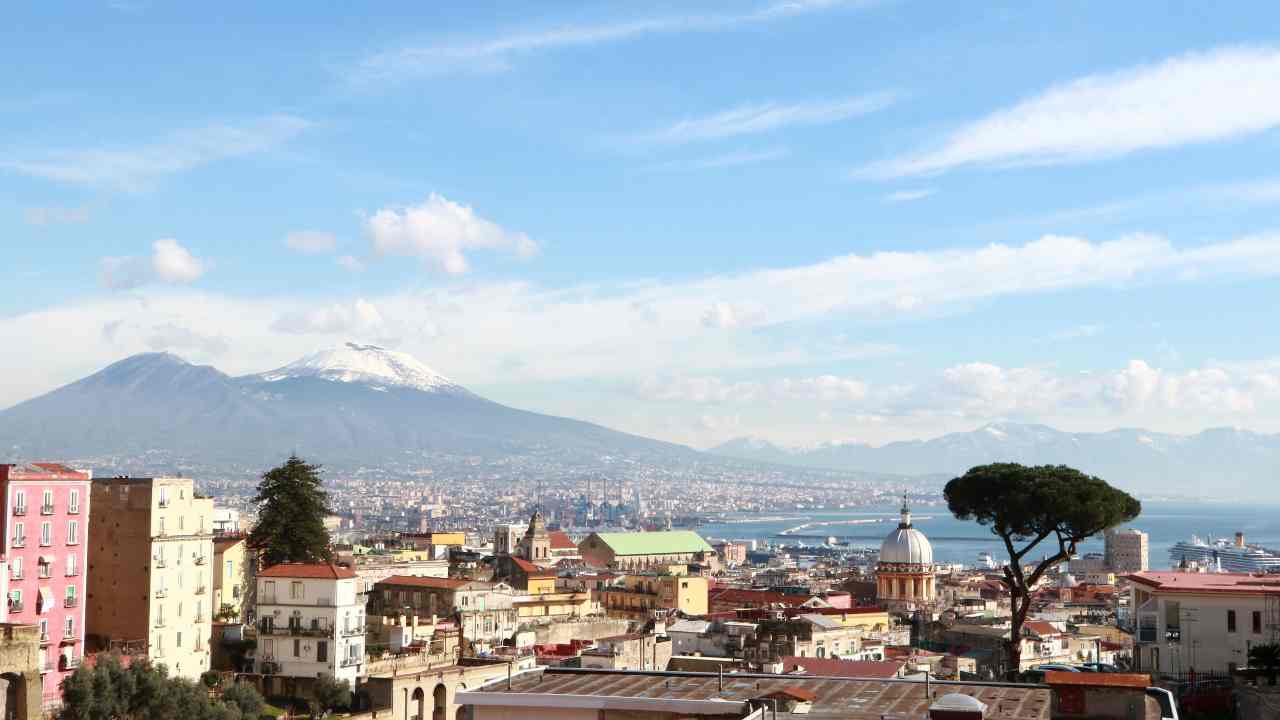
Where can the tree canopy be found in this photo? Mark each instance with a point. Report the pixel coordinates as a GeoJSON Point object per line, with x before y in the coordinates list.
{"type": "Point", "coordinates": [292, 506]}
{"type": "Point", "coordinates": [1025, 506]}
{"type": "Point", "coordinates": [109, 691]}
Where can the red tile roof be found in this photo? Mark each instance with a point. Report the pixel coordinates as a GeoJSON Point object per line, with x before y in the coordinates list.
{"type": "Point", "coordinates": [434, 583]}
{"type": "Point", "coordinates": [308, 571]}
{"type": "Point", "coordinates": [532, 570]}
{"type": "Point", "coordinates": [745, 598]}
{"type": "Point", "coordinates": [830, 667]}
{"type": "Point", "coordinates": [1129, 680]}
{"type": "Point", "coordinates": [560, 541]}
{"type": "Point", "coordinates": [42, 471]}
{"type": "Point", "coordinates": [793, 693]}
{"type": "Point", "coordinates": [1199, 583]}
{"type": "Point", "coordinates": [1041, 628]}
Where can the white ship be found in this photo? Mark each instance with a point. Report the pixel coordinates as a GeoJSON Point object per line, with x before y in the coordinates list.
{"type": "Point", "coordinates": [986, 562]}
{"type": "Point", "coordinates": [1229, 555]}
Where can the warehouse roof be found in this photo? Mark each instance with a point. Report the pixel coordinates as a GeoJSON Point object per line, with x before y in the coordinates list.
{"type": "Point", "coordinates": [671, 542]}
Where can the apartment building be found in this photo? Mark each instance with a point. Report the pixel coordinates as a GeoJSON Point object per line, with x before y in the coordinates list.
{"type": "Point", "coordinates": [46, 526]}
{"type": "Point", "coordinates": [310, 622]}
{"type": "Point", "coordinates": [1202, 621]}
{"type": "Point", "coordinates": [1126, 550]}
{"type": "Point", "coordinates": [636, 597]}
{"type": "Point", "coordinates": [231, 577]}
{"type": "Point", "coordinates": [151, 570]}
{"type": "Point", "coordinates": [485, 611]}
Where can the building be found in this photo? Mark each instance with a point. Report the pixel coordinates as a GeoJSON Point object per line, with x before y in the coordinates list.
{"type": "Point", "coordinates": [484, 611]}
{"type": "Point", "coordinates": [530, 578]}
{"type": "Point", "coordinates": [231, 577]}
{"type": "Point", "coordinates": [632, 651]}
{"type": "Point", "coordinates": [535, 546]}
{"type": "Point", "coordinates": [151, 570]}
{"type": "Point", "coordinates": [506, 539]}
{"type": "Point", "coordinates": [904, 573]}
{"type": "Point", "coordinates": [569, 694]}
{"type": "Point", "coordinates": [21, 685]}
{"type": "Point", "coordinates": [637, 597]}
{"type": "Point", "coordinates": [1126, 550]}
{"type": "Point", "coordinates": [1202, 621]}
{"type": "Point", "coordinates": [47, 514]}
{"type": "Point", "coordinates": [643, 550]}
{"type": "Point", "coordinates": [310, 622]}
{"type": "Point", "coordinates": [731, 553]}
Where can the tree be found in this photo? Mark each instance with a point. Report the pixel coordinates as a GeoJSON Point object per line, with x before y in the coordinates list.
{"type": "Point", "coordinates": [1266, 657]}
{"type": "Point", "coordinates": [1025, 506]}
{"type": "Point", "coordinates": [108, 691]}
{"type": "Point", "coordinates": [245, 697]}
{"type": "Point", "coordinates": [332, 694]}
{"type": "Point", "coordinates": [227, 613]}
{"type": "Point", "coordinates": [292, 506]}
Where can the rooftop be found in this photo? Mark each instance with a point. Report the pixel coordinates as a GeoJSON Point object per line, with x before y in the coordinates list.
{"type": "Point", "coordinates": [1138, 681]}
{"type": "Point", "coordinates": [434, 583]}
{"type": "Point", "coordinates": [829, 667]}
{"type": "Point", "coordinates": [42, 471]}
{"type": "Point", "coordinates": [560, 540]}
{"type": "Point", "coordinates": [308, 571]}
{"type": "Point", "coordinates": [1185, 582]}
{"type": "Point", "coordinates": [672, 542]}
{"type": "Point", "coordinates": [697, 694]}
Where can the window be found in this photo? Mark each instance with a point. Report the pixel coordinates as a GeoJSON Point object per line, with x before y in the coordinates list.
{"type": "Point", "coordinates": [268, 649]}
{"type": "Point", "coordinates": [44, 629]}
{"type": "Point", "coordinates": [46, 503]}
{"type": "Point", "coordinates": [19, 534]}
{"type": "Point", "coordinates": [1257, 622]}
{"type": "Point", "coordinates": [322, 651]}
{"type": "Point", "coordinates": [71, 566]}
{"type": "Point", "coordinates": [178, 641]}
{"type": "Point", "coordinates": [15, 568]}
{"type": "Point", "coordinates": [159, 644]}
{"type": "Point", "coordinates": [231, 569]}
{"type": "Point", "coordinates": [297, 648]}
{"type": "Point", "coordinates": [20, 503]}
{"type": "Point", "coordinates": [71, 596]}
{"type": "Point", "coordinates": [161, 520]}
{"type": "Point", "coordinates": [181, 523]}
{"type": "Point", "coordinates": [295, 591]}
{"type": "Point", "coordinates": [159, 614]}
{"type": "Point", "coordinates": [164, 496]}
{"type": "Point", "coordinates": [44, 567]}
{"type": "Point", "coordinates": [1231, 621]}
{"type": "Point", "coordinates": [73, 502]}
{"type": "Point", "coordinates": [69, 629]}
{"type": "Point", "coordinates": [46, 534]}
{"type": "Point", "coordinates": [15, 600]}
{"type": "Point", "coordinates": [73, 532]}
{"type": "Point", "coordinates": [269, 591]}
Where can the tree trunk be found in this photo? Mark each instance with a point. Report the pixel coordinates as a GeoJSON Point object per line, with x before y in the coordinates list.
{"type": "Point", "coordinates": [1013, 648]}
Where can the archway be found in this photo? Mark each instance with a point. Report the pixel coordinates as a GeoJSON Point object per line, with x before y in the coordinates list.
{"type": "Point", "coordinates": [441, 703]}
{"type": "Point", "coordinates": [12, 696]}
{"type": "Point", "coordinates": [417, 704]}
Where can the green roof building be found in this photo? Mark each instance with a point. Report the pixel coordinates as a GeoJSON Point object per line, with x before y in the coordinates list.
{"type": "Point", "coordinates": [640, 550]}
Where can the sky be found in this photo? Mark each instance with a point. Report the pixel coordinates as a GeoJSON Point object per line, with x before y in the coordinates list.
{"type": "Point", "coordinates": [804, 220]}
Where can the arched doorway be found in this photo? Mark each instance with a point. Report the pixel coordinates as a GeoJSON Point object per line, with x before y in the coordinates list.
{"type": "Point", "coordinates": [15, 696]}
{"type": "Point", "coordinates": [441, 703]}
{"type": "Point", "coordinates": [418, 705]}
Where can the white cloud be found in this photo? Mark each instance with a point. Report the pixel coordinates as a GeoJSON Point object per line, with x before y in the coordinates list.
{"type": "Point", "coordinates": [169, 262]}
{"type": "Point", "coordinates": [441, 230]}
{"type": "Point", "coordinates": [496, 54]}
{"type": "Point", "coordinates": [350, 262]}
{"type": "Point", "coordinates": [311, 242]}
{"type": "Point", "coordinates": [1078, 332]}
{"type": "Point", "coordinates": [139, 166]}
{"type": "Point", "coordinates": [763, 117]}
{"type": "Point", "coordinates": [360, 318]}
{"type": "Point", "coordinates": [737, 158]}
{"type": "Point", "coordinates": [1193, 98]}
{"type": "Point", "coordinates": [902, 196]}
{"type": "Point", "coordinates": [711, 390]}
{"type": "Point", "coordinates": [56, 215]}
{"type": "Point", "coordinates": [170, 336]}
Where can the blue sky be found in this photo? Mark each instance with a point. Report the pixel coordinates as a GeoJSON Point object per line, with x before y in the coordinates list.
{"type": "Point", "coordinates": [806, 220]}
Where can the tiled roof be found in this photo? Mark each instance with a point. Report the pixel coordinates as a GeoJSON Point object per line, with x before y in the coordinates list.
{"type": "Point", "coordinates": [672, 542]}
{"type": "Point", "coordinates": [1041, 628]}
{"type": "Point", "coordinates": [308, 571]}
{"type": "Point", "coordinates": [1184, 582]}
{"type": "Point", "coordinates": [532, 570]}
{"type": "Point", "coordinates": [42, 471]}
{"type": "Point", "coordinates": [560, 541]}
{"type": "Point", "coordinates": [431, 582]}
{"type": "Point", "coordinates": [830, 667]}
{"type": "Point", "coordinates": [755, 597]}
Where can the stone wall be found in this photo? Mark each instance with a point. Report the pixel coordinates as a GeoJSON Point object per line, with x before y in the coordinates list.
{"type": "Point", "coordinates": [20, 671]}
{"type": "Point", "coordinates": [562, 633]}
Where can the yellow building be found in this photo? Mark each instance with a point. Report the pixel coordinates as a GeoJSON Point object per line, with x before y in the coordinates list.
{"type": "Point", "coordinates": [150, 569]}
{"type": "Point", "coordinates": [231, 578]}
{"type": "Point", "coordinates": [557, 605]}
{"type": "Point", "coordinates": [636, 597]}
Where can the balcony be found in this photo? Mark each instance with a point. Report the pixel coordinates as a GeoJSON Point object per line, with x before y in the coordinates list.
{"type": "Point", "coordinates": [70, 663]}
{"type": "Point", "coordinates": [44, 638]}
{"type": "Point", "coordinates": [1173, 634]}
{"type": "Point", "coordinates": [164, 503]}
{"type": "Point", "coordinates": [16, 574]}
{"type": "Point", "coordinates": [162, 593]}
{"type": "Point", "coordinates": [349, 662]}
{"type": "Point", "coordinates": [19, 542]}
{"type": "Point", "coordinates": [73, 509]}
{"type": "Point", "coordinates": [200, 560]}
{"type": "Point", "coordinates": [45, 665]}
{"type": "Point", "coordinates": [270, 667]}
{"type": "Point", "coordinates": [352, 632]}
{"type": "Point", "coordinates": [72, 572]}
{"type": "Point", "coordinates": [201, 590]}
{"type": "Point", "coordinates": [46, 509]}
{"type": "Point", "coordinates": [70, 602]}
{"type": "Point", "coordinates": [15, 607]}
{"type": "Point", "coordinates": [160, 562]}
{"type": "Point", "coordinates": [20, 510]}
{"type": "Point", "coordinates": [45, 572]}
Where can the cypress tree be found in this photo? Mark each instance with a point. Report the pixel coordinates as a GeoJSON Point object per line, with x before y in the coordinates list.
{"type": "Point", "coordinates": [292, 506]}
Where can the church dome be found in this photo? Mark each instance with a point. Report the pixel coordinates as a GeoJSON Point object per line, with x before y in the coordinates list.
{"type": "Point", "coordinates": [906, 545]}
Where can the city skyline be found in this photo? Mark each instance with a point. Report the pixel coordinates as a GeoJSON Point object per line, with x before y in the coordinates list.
{"type": "Point", "coordinates": [846, 221]}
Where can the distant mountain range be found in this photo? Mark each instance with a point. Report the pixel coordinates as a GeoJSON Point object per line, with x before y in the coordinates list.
{"type": "Point", "coordinates": [1222, 463]}
{"type": "Point", "coordinates": [351, 405]}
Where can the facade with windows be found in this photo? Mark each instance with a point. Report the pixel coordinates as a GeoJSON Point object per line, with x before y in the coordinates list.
{"type": "Point", "coordinates": [1206, 622]}
{"type": "Point", "coordinates": [310, 621]}
{"type": "Point", "coordinates": [231, 578]}
{"type": "Point", "coordinates": [151, 568]}
{"type": "Point", "coordinates": [484, 611]}
{"type": "Point", "coordinates": [46, 522]}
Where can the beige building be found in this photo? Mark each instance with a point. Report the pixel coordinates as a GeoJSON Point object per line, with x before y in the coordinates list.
{"type": "Point", "coordinates": [231, 578]}
{"type": "Point", "coordinates": [636, 597]}
{"type": "Point", "coordinates": [633, 651]}
{"type": "Point", "coordinates": [1126, 551]}
{"type": "Point", "coordinates": [151, 570]}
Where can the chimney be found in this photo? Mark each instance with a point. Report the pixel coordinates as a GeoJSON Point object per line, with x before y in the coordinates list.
{"type": "Point", "coordinates": [1239, 539]}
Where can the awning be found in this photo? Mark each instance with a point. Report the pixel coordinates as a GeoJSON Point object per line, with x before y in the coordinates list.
{"type": "Point", "coordinates": [46, 599]}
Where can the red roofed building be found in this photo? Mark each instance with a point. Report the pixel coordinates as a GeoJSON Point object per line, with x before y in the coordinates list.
{"type": "Point", "coordinates": [828, 667]}
{"type": "Point", "coordinates": [310, 621]}
{"type": "Point", "coordinates": [488, 617]}
{"type": "Point", "coordinates": [1221, 615]}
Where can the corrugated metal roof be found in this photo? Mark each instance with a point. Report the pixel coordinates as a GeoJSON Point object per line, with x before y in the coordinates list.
{"type": "Point", "coordinates": [671, 542]}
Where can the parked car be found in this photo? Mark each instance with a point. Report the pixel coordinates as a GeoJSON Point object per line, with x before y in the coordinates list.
{"type": "Point", "coordinates": [1099, 667]}
{"type": "Point", "coordinates": [1168, 704]}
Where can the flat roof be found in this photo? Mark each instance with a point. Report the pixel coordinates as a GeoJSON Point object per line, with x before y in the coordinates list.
{"type": "Point", "coordinates": [700, 694]}
{"type": "Point", "coordinates": [1187, 582]}
{"type": "Point", "coordinates": [668, 542]}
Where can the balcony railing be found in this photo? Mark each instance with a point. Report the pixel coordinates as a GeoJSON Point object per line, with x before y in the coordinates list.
{"type": "Point", "coordinates": [162, 593]}
{"type": "Point", "coordinates": [16, 574]}
{"type": "Point", "coordinates": [200, 560]}
{"type": "Point", "coordinates": [20, 541]}
{"type": "Point", "coordinates": [72, 572]}
{"type": "Point", "coordinates": [45, 572]}
{"type": "Point", "coordinates": [1173, 634]}
{"type": "Point", "coordinates": [352, 631]}
{"type": "Point", "coordinates": [46, 542]}
{"type": "Point", "coordinates": [20, 510]}
{"type": "Point", "coordinates": [159, 562]}
{"type": "Point", "coordinates": [70, 663]}
{"type": "Point", "coordinates": [44, 638]}
{"type": "Point", "coordinates": [15, 606]}
{"type": "Point", "coordinates": [70, 602]}
{"type": "Point", "coordinates": [46, 509]}
{"type": "Point", "coordinates": [348, 662]}
{"type": "Point", "coordinates": [201, 590]}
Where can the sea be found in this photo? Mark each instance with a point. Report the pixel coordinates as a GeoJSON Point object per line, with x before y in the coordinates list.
{"type": "Point", "coordinates": [961, 541]}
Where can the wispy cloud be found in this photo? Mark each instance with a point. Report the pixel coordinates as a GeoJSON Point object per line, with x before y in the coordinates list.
{"type": "Point", "coordinates": [56, 215]}
{"type": "Point", "coordinates": [1077, 333]}
{"type": "Point", "coordinates": [902, 196]}
{"type": "Point", "coordinates": [737, 158]}
{"type": "Point", "coordinates": [138, 166]}
{"type": "Point", "coordinates": [497, 53]}
{"type": "Point", "coordinates": [169, 262]}
{"type": "Point", "coordinates": [763, 117]}
{"type": "Point", "coordinates": [1194, 98]}
{"type": "Point", "coordinates": [442, 232]}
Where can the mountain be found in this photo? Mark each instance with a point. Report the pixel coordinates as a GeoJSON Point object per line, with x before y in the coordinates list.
{"type": "Point", "coordinates": [1219, 462]}
{"type": "Point", "coordinates": [353, 405]}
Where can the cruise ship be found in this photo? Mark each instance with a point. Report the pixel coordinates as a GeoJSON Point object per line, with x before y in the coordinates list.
{"type": "Point", "coordinates": [1229, 555]}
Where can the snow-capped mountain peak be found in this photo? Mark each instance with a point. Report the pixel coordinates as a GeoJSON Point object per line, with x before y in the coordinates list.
{"type": "Point", "coordinates": [367, 365]}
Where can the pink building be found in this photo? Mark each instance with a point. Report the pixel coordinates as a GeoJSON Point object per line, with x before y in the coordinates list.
{"type": "Point", "coordinates": [46, 524]}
